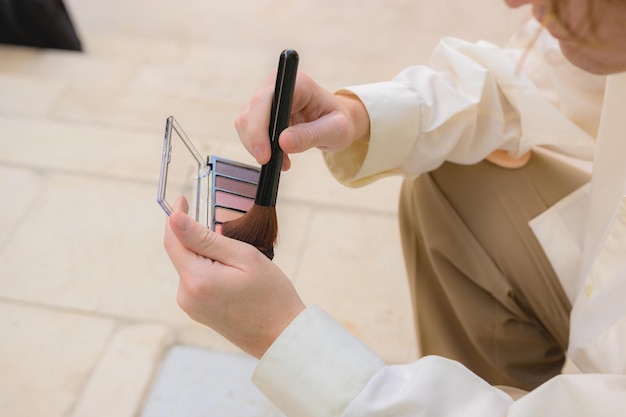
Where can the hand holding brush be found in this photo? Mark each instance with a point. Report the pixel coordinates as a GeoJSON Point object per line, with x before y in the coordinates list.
{"type": "Point", "coordinates": [259, 226]}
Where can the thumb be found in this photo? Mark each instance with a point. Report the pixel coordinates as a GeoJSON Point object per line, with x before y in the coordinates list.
{"type": "Point", "coordinates": [202, 240]}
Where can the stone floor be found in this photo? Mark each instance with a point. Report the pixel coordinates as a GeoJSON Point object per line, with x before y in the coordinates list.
{"type": "Point", "coordinates": [87, 295]}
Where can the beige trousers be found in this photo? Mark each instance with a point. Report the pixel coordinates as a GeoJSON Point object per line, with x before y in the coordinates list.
{"type": "Point", "coordinates": [483, 290]}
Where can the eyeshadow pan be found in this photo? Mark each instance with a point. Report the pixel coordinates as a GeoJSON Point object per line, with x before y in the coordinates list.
{"type": "Point", "coordinates": [232, 190]}
{"type": "Point", "coordinates": [237, 171]}
{"type": "Point", "coordinates": [225, 215]}
{"type": "Point", "coordinates": [235, 186]}
{"type": "Point", "coordinates": [234, 201]}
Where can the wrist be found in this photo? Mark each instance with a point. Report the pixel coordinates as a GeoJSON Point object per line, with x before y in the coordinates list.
{"type": "Point", "coordinates": [267, 334]}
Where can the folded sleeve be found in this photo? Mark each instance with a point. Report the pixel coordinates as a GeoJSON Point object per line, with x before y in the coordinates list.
{"type": "Point", "coordinates": [394, 111]}
{"type": "Point", "coordinates": [470, 101]}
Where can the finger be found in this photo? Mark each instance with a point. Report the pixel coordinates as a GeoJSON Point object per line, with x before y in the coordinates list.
{"type": "Point", "coordinates": [327, 132]}
{"type": "Point", "coordinates": [180, 256]}
{"type": "Point", "coordinates": [252, 125]}
{"type": "Point", "coordinates": [286, 163]}
{"type": "Point", "coordinates": [203, 241]}
{"type": "Point", "coordinates": [174, 248]}
{"type": "Point", "coordinates": [243, 130]}
{"type": "Point", "coordinates": [181, 204]}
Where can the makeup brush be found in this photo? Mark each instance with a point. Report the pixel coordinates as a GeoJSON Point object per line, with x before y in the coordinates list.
{"type": "Point", "coordinates": [259, 226]}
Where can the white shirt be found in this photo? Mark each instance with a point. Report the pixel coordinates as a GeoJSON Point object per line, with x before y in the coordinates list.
{"type": "Point", "coordinates": [469, 102]}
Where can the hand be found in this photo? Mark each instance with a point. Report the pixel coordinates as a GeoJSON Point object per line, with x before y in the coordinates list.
{"type": "Point", "coordinates": [229, 285]}
{"type": "Point", "coordinates": [319, 119]}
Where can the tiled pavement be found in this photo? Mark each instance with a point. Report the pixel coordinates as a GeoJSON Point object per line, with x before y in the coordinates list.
{"type": "Point", "coordinates": [87, 296]}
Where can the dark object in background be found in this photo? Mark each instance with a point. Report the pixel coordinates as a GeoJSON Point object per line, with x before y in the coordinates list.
{"type": "Point", "coordinates": [37, 23]}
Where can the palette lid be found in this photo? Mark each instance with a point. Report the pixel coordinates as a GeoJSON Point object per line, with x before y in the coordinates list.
{"type": "Point", "coordinates": [183, 173]}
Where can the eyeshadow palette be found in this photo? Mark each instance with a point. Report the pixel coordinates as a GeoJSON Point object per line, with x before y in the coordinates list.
{"type": "Point", "coordinates": [217, 189]}
{"type": "Point", "coordinates": [232, 191]}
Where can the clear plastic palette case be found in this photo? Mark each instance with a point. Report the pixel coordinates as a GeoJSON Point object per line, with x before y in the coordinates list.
{"type": "Point", "coordinates": [217, 189]}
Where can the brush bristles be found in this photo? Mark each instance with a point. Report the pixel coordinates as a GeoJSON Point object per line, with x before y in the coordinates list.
{"type": "Point", "coordinates": [258, 227]}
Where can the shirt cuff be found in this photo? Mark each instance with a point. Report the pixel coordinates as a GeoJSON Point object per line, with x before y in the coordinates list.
{"type": "Point", "coordinates": [315, 367]}
{"type": "Point", "coordinates": [394, 112]}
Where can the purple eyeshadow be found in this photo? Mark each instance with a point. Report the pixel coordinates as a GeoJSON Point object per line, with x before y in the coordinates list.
{"type": "Point", "coordinates": [233, 201]}
{"type": "Point", "coordinates": [234, 186]}
{"type": "Point", "coordinates": [236, 171]}
{"type": "Point", "coordinates": [225, 215]}
{"type": "Point", "coordinates": [233, 190]}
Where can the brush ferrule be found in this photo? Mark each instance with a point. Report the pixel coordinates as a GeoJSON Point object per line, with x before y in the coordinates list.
{"type": "Point", "coordinates": [267, 189]}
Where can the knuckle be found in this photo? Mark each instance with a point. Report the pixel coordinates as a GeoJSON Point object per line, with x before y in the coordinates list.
{"type": "Point", "coordinates": [182, 300]}
{"type": "Point", "coordinates": [304, 81]}
{"type": "Point", "coordinates": [260, 97]}
{"type": "Point", "coordinates": [309, 139]}
{"type": "Point", "coordinates": [191, 289]}
{"type": "Point", "coordinates": [241, 121]}
{"type": "Point", "coordinates": [187, 305]}
{"type": "Point", "coordinates": [250, 252]}
{"type": "Point", "coordinates": [342, 126]}
{"type": "Point", "coordinates": [339, 133]}
{"type": "Point", "coordinates": [207, 240]}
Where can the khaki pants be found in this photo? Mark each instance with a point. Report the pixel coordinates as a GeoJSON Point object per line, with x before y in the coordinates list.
{"type": "Point", "coordinates": [483, 291]}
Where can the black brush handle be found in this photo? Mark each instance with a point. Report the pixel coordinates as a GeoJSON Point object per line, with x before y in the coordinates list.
{"type": "Point", "coordinates": [267, 189]}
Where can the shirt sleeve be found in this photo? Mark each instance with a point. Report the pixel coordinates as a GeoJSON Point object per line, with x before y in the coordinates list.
{"type": "Point", "coordinates": [316, 368]}
{"type": "Point", "coordinates": [470, 101]}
